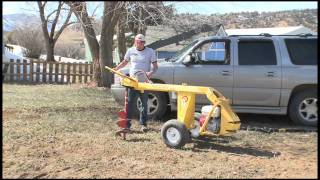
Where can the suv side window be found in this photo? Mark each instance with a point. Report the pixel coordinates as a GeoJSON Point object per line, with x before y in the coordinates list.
{"type": "Point", "coordinates": [213, 52]}
{"type": "Point", "coordinates": [256, 52]}
{"type": "Point", "coordinates": [302, 51]}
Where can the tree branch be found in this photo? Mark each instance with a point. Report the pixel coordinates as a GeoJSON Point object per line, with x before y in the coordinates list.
{"type": "Point", "coordinates": [55, 21]}
{"type": "Point", "coordinates": [65, 24]}
{"type": "Point", "coordinates": [43, 20]}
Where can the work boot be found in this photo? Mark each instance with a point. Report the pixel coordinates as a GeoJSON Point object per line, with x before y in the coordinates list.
{"type": "Point", "coordinates": [144, 128]}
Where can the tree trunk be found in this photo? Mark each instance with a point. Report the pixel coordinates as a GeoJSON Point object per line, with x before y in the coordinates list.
{"type": "Point", "coordinates": [94, 49]}
{"type": "Point", "coordinates": [50, 50]}
{"type": "Point", "coordinates": [106, 57]}
{"type": "Point", "coordinates": [121, 39]}
{"type": "Point", "coordinates": [110, 18]}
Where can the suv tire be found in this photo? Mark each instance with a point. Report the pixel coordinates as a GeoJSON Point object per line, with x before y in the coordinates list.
{"type": "Point", "coordinates": [303, 108]}
{"type": "Point", "coordinates": [158, 100]}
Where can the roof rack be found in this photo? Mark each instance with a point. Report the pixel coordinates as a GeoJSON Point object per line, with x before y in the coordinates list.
{"type": "Point", "coordinates": [305, 34]}
{"type": "Point", "coordinates": [262, 34]}
{"type": "Point", "coordinates": [265, 34]}
{"type": "Point", "coordinates": [269, 35]}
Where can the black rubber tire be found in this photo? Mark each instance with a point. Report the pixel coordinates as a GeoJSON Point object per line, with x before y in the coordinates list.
{"type": "Point", "coordinates": [294, 107]}
{"type": "Point", "coordinates": [161, 106]}
{"type": "Point", "coordinates": [181, 128]}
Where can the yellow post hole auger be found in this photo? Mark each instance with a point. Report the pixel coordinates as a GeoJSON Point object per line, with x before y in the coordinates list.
{"type": "Point", "coordinates": [220, 119]}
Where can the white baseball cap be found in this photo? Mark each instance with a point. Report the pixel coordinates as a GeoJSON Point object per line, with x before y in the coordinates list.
{"type": "Point", "coordinates": [140, 37]}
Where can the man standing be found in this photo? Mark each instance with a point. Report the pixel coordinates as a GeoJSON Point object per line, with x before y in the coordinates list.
{"type": "Point", "coordinates": [141, 58]}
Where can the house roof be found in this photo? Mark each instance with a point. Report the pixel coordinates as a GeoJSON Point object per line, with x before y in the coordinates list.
{"type": "Point", "coordinates": [156, 33]}
{"type": "Point", "coordinates": [292, 30]}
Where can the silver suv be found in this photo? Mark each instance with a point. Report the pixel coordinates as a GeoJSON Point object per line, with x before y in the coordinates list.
{"type": "Point", "coordinates": [259, 74]}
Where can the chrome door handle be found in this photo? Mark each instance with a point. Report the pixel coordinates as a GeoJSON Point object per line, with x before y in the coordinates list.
{"type": "Point", "coordinates": [270, 74]}
{"type": "Point", "coordinates": [225, 73]}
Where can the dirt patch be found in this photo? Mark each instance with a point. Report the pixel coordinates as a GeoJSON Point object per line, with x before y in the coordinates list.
{"type": "Point", "coordinates": [92, 154]}
{"type": "Point", "coordinates": [9, 114]}
{"type": "Point", "coordinates": [79, 142]}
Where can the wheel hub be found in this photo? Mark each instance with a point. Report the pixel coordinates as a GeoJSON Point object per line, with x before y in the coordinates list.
{"type": "Point", "coordinates": [173, 135]}
{"type": "Point", "coordinates": [152, 102]}
{"type": "Point", "coordinates": [308, 109]}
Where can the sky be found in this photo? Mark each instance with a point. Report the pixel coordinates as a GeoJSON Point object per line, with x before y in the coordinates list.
{"type": "Point", "coordinates": [201, 7]}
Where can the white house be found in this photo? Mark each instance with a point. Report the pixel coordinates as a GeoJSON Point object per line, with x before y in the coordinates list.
{"type": "Point", "coordinates": [10, 51]}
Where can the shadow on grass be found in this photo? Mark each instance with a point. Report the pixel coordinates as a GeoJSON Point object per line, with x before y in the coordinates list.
{"type": "Point", "coordinates": [138, 140]}
{"type": "Point", "coordinates": [207, 144]}
{"type": "Point", "coordinates": [153, 130]}
{"type": "Point", "coordinates": [262, 122]}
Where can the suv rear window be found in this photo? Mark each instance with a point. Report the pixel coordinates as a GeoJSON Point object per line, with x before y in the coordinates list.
{"type": "Point", "coordinates": [302, 51]}
{"type": "Point", "coordinates": [256, 52]}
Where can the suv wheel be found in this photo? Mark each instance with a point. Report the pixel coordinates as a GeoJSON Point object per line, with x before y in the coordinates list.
{"type": "Point", "coordinates": [303, 108]}
{"type": "Point", "coordinates": [157, 105]}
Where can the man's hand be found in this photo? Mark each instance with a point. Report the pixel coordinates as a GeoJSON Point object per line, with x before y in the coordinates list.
{"type": "Point", "coordinates": [149, 74]}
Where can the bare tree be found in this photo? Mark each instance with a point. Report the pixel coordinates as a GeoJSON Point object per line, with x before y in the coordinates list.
{"type": "Point", "coordinates": [102, 55]}
{"type": "Point", "coordinates": [136, 16]}
{"type": "Point", "coordinates": [80, 10]}
{"type": "Point", "coordinates": [141, 14]}
{"type": "Point", "coordinates": [109, 20]}
{"type": "Point", "coordinates": [52, 37]}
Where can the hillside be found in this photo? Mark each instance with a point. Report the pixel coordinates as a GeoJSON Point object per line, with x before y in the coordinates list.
{"type": "Point", "coordinates": [307, 18]}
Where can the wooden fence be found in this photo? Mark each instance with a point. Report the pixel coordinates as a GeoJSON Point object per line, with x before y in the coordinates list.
{"type": "Point", "coordinates": [34, 71]}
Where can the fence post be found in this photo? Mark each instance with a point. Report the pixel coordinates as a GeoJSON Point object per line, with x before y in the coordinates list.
{"type": "Point", "coordinates": [56, 72]}
{"type": "Point", "coordinates": [50, 72]}
{"type": "Point", "coordinates": [86, 72]}
{"type": "Point", "coordinates": [80, 72]}
{"type": "Point", "coordinates": [18, 69]}
{"type": "Point", "coordinates": [62, 73]}
{"type": "Point", "coordinates": [31, 71]}
{"type": "Point", "coordinates": [25, 70]}
{"type": "Point", "coordinates": [91, 71]}
{"type": "Point", "coordinates": [74, 71]}
{"type": "Point", "coordinates": [68, 72]}
{"type": "Point", "coordinates": [37, 71]}
{"type": "Point", "coordinates": [44, 71]}
{"type": "Point", "coordinates": [11, 67]}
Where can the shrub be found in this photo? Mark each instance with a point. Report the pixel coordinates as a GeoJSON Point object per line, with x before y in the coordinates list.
{"type": "Point", "coordinates": [30, 37]}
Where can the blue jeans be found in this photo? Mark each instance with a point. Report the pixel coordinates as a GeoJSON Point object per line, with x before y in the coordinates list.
{"type": "Point", "coordinates": [132, 94]}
